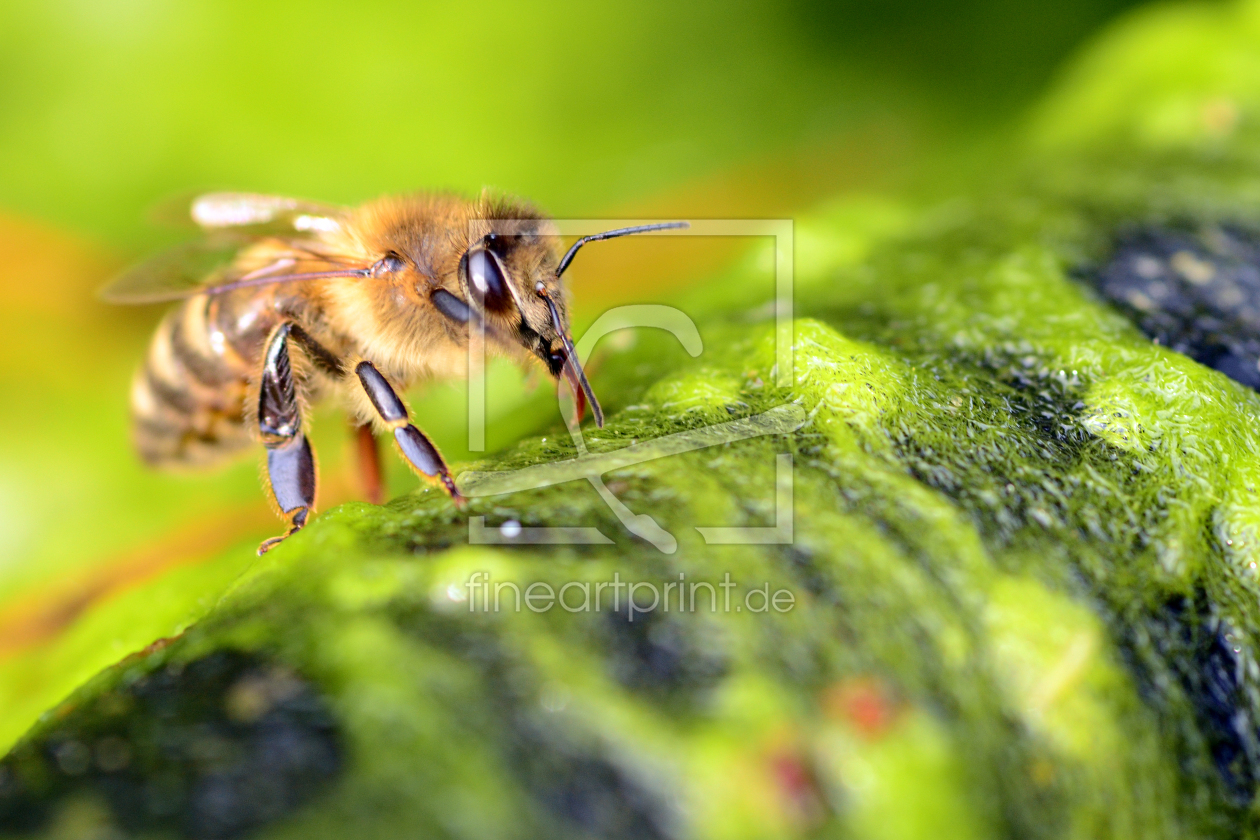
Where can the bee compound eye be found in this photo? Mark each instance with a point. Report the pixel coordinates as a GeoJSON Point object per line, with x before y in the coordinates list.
{"type": "Point", "coordinates": [500, 243]}
{"type": "Point", "coordinates": [487, 280]}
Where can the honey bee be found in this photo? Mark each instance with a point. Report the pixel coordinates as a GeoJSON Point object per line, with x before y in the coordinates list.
{"type": "Point", "coordinates": [286, 302]}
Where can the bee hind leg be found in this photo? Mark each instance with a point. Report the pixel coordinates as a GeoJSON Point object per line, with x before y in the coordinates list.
{"type": "Point", "coordinates": [415, 446]}
{"type": "Point", "coordinates": [290, 460]}
{"type": "Point", "coordinates": [370, 475]}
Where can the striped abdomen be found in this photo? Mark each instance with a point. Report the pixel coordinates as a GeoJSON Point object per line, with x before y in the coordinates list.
{"type": "Point", "coordinates": [188, 399]}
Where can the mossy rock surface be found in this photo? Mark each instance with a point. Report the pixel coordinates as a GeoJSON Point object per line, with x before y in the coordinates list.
{"type": "Point", "coordinates": [1023, 566]}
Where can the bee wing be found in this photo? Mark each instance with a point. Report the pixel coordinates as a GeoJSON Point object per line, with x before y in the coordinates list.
{"type": "Point", "coordinates": [176, 273]}
{"type": "Point", "coordinates": [206, 265]}
{"type": "Point", "coordinates": [232, 221]}
{"type": "Point", "coordinates": [261, 214]}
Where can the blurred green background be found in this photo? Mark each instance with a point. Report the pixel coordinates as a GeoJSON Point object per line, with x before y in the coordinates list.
{"type": "Point", "coordinates": [108, 109]}
{"type": "Point", "coordinates": [105, 107]}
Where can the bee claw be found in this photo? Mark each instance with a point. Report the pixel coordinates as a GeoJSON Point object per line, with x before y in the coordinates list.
{"type": "Point", "coordinates": [297, 519]}
{"type": "Point", "coordinates": [448, 484]}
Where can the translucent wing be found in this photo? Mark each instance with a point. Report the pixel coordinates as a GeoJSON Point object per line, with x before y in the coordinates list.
{"type": "Point", "coordinates": [206, 265]}
{"type": "Point", "coordinates": [233, 221]}
{"type": "Point", "coordinates": [175, 273]}
{"type": "Point", "coordinates": [263, 213]}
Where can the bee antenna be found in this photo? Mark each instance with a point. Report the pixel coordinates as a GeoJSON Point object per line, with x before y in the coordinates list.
{"type": "Point", "coordinates": [613, 234]}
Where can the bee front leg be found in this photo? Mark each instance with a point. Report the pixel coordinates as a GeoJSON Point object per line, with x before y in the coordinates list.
{"type": "Point", "coordinates": [416, 448]}
{"type": "Point", "coordinates": [290, 461]}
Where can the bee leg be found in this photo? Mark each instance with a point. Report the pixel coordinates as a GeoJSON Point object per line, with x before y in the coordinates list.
{"type": "Point", "coordinates": [369, 464]}
{"type": "Point", "coordinates": [415, 447]}
{"type": "Point", "coordinates": [290, 461]}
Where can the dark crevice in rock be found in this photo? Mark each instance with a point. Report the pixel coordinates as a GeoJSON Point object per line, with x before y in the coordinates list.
{"type": "Point", "coordinates": [214, 748]}
{"type": "Point", "coordinates": [802, 560]}
{"type": "Point", "coordinates": [1193, 289]}
{"type": "Point", "coordinates": [583, 788]}
{"type": "Point", "coordinates": [1206, 658]}
{"type": "Point", "coordinates": [1050, 402]}
{"type": "Point", "coordinates": [586, 790]}
{"type": "Point", "coordinates": [654, 651]}
{"type": "Point", "coordinates": [1044, 400]}
{"type": "Point", "coordinates": [1004, 480]}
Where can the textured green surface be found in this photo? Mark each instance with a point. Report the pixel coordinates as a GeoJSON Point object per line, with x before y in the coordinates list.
{"type": "Point", "coordinates": [1025, 549]}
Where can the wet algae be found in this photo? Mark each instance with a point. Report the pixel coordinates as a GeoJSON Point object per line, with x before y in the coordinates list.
{"type": "Point", "coordinates": [1023, 565]}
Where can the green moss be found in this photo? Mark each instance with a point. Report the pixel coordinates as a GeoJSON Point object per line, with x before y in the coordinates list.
{"type": "Point", "coordinates": [1023, 566]}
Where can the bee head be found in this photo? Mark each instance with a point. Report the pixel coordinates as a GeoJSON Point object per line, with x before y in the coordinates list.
{"type": "Point", "coordinates": [512, 287]}
{"type": "Point", "coordinates": [508, 282]}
